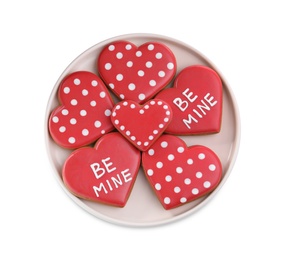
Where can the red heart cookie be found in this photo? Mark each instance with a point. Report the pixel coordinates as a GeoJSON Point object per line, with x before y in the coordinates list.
{"type": "Point", "coordinates": [141, 124]}
{"type": "Point", "coordinates": [179, 174]}
{"type": "Point", "coordinates": [196, 101]}
{"type": "Point", "coordinates": [136, 73]}
{"type": "Point", "coordinates": [105, 173]}
{"type": "Point", "coordinates": [84, 115]}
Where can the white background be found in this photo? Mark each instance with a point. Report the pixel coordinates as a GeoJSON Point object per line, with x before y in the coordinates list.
{"type": "Point", "coordinates": [39, 39]}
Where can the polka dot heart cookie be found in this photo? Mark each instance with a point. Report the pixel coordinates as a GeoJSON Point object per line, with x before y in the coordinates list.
{"type": "Point", "coordinates": [179, 174]}
{"type": "Point", "coordinates": [141, 124]}
{"type": "Point", "coordinates": [84, 115]}
{"type": "Point", "coordinates": [136, 73]}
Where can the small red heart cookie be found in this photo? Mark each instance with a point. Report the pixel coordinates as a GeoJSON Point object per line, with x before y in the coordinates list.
{"type": "Point", "coordinates": [105, 173]}
{"type": "Point", "coordinates": [196, 101]}
{"type": "Point", "coordinates": [84, 115]}
{"type": "Point", "coordinates": [136, 73]}
{"type": "Point", "coordinates": [141, 124]}
{"type": "Point", "coordinates": [179, 174]}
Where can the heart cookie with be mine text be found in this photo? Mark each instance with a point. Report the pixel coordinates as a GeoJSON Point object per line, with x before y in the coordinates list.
{"type": "Point", "coordinates": [196, 101]}
{"type": "Point", "coordinates": [105, 173]}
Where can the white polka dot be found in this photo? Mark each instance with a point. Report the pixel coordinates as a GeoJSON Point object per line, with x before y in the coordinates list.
{"type": "Point", "coordinates": [138, 53]}
{"type": "Point", "coordinates": [155, 132]}
{"type": "Point", "coordinates": [108, 66]}
{"type": "Point", "coordinates": [152, 83]}
{"type": "Point", "coordinates": [132, 106]}
{"type": "Point", "coordinates": [141, 96]}
{"type": "Point", "coordinates": [131, 86]}
{"type": "Point", "coordinates": [164, 144]}
{"type": "Point", "coordinates": [212, 167]}
{"type": "Point", "coordinates": [85, 132]}
{"type": "Point", "coordinates": [171, 157]}
{"type": "Point", "coordinates": [74, 102]}
{"type": "Point", "coordinates": [62, 129]}
{"type": "Point", "coordinates": [118, 107]}
{"type": "Point", "coordinates": [198, 175]}
{"type": "Point", "coordinates": [97, 124]}
{"type": "Point", "coordinates": [167, 200]}
{"type": "Point", "coordinates": [133, 138]}
{"type": "Point", "coordinates": [84, 92]}
{"type": "Point", "coordinates": [148, 64]}
{"type": "Point", "coordinates": [139, 143]}
{"type": "Point", "coordinates": [116, 122]}
{"type": "Point", "coordinates": [67, 90]}
{"type": "Point", "coordinates": [102, 94]}
{"type": "Point", "coordinates": [180, 149]}
{"type": "Point", "coordinates": [150, 47]}
{"type": "Point", "coordinates": [161, 125]}
{"type": "Point", "coordinates": [73, 121]}
{"type": "Point", "coordinates": [150, 152]}
{"type": "Point", "coordinates": [119, 77]}
{"type": "Point", "coordinates": [158, 55]}
{"type": "Point", "coordinates": [195, 191]}
{"type": "Point", "coordinates": [201, 156]}
{"type": "Point", "coordinates": [111, 85]}
{"type": "Point", "coordinates": [129, 64]}
{"type": "Point", "coordinates": [150, 137]}
{"type": "Point", "coordinates": [119, 55]}
{"type": "Point", "coordinates": [128, 133]}
{"type": "Point", "coordinates": [77, 82]}
{"type": "Point", "coordinates": [161, 74]}
{"type": "Point", "coordinates": [141, 111]}
{"type": "Point", "coordinates": [83, 112]}
{"type": "Point", "coordinates": [168, 178]}
{"type": "Point", "coordinates": [141, 73]}
{"type": "Point", "coordinates": [107, 112]}
{"type": "Point", "coordinates": [157, 186]}
{"type": "Point", "coordinates": [179, 169]}
{"type": "Point", "coordinates": [187, 181]}
{"type": "Point", "coordinates": [177, 189]}
{"type": "Point", "coordinates": [152, 102]}
{"type": "Point", "coordinates": [94, 83]}
{"type": "Point", "coordinates": [146, 143]}
{"type": "Point", "coordinates": [149, 172]}
{"type": "Point", "coordinates": [183, 200]}
{"type": "Point", "coordinates": [93, 103]}
{"type": "Point", "coordinates": [122, 127]}
{"type": "Point", "coordinates": [190, 161]}
{"type": "Point", "coordinates": [65, 112]}
{"type": "Point", "coordinates": [102, 132]}
{"type": "Point", "coordinates": [170, 65]}
{"type": "Point", "coordinates": [159, 165]}
{"type": "Point", "coordinates": [128, 47]}
{"type": "Point", "coordinates": [72, 140]}
{"type": "Point", "coordinates": [111, 47]}
{"type": "Point", "coordinates": [159, 103]}
{"type": "Point", "coordinates": [206, 184]}
{"type": "Point", "coordinates": [122, 96]}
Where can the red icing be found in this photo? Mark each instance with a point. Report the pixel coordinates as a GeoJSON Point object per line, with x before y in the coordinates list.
{"type": "Point", "coordinates": [136, 73]}
{"type": "Point", "coordinates": [84, 115]}
{"type": "Point", "coordinates": [196, 101]}
{"type": "Point", "coordinates": [179, 174]}
{"type": "Point", "coordinates": [141, 124]}
{"type": "Point", "coordinates": [105, 173]}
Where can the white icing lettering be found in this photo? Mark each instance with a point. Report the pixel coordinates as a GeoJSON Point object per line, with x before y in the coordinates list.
{"type": "Point", "coordinates": [127, 177]}
{"type": "Point", "coordinates": [117, 181]}
{"type": "Point", "coordinates": [183, 104]}
{"type": "Point", "coordinates": [188, 95]}
{"type": "Point", "coordinates": [101, 186]}
{"type": "Point", "coordinates": [209, 100]}
{"type": "Point", "coordinates": [107, 165]}
{"type": "Point", "coordinates": [189, 121]}
{"type": "Point", "coordinates": [97, 170]}
{"type": "Point", "coordinates": [201, 108]}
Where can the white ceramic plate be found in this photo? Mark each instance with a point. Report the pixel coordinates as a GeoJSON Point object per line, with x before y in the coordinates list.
{"type": "Point", "coordinates": [143, 207]}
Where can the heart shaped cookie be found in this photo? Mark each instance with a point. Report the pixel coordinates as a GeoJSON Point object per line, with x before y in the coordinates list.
{"type": "Point", "coordinates": [141, 124]}
{"type": "Point", "coordinates": [105, 173]}
{"type": "Point", "coordinates": [179, 174]}
{"type": "Point", "coordinates": [84, 115]}
{"type": "Point", "coordinates": [196, 101]}
{"type": "Point", "coordinates": [136, 73]}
